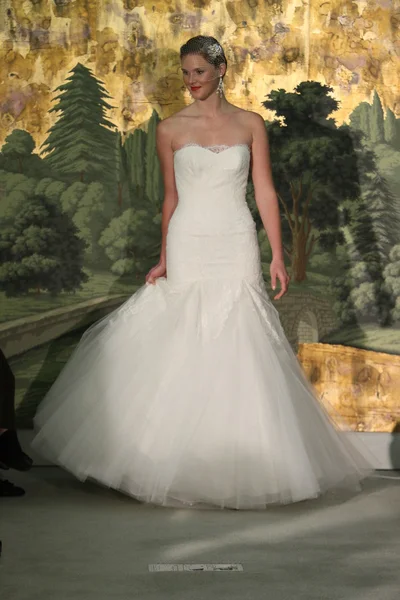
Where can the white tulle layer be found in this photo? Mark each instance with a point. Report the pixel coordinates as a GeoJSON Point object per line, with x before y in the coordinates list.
{"type": "Point", "coordinates": [190, 395]}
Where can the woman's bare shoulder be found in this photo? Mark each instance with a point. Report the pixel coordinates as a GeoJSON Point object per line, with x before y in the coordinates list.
{"type": "Point", "coordinates": [177, 117]}
{"type": "Point", "coordinates": [173, 124]}
{"type": "Point", "coordinates": [247, 118]}
{"type": "Point", "coordinates": [253, 122]}
{"type": "Point", "coordinates": [175, 120]}
{"type": "Point", "coordinates": [251, 116]}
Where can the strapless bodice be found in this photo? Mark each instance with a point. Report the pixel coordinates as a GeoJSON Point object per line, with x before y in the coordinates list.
{"type": "Point", "coordinates": [211, 184]}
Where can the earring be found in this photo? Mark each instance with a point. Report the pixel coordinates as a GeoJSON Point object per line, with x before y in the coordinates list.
{"type": "Point", "coordinates": [220, 88]}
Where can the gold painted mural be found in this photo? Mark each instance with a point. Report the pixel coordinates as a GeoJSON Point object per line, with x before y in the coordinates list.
{"type": "Point", "coordinates": [132, 46]}
{"type": "Point", "coordinates": [357, 386]}
{"type": "Point", "coordinates": [334, 63]}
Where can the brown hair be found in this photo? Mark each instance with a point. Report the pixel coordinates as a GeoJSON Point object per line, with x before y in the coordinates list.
{"type": "Point", "coordinates": [207, 47]}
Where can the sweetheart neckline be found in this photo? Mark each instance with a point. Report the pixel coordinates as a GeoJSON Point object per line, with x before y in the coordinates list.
{"type": "Point", "coordinates": [209, 148]}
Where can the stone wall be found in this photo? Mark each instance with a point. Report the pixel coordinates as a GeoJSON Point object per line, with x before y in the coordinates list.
{"type": "Point", "coordinates": [305, 317]}
{"type": "Point", "coordinates": [23, 334]}
{"type": "Point", "coordinates": [359, 388]}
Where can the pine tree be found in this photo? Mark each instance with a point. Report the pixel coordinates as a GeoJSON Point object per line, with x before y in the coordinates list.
{"type": "Point", "coordinates": [120, 167]}
{"type": "Point", "coordinates": [365, 119]}
{"type": "Point", "coordinates": [79, 143]}
{"type": "Point", "coordinates": [360, 118]}
{"type": "Point", "coordinates": [377, 121]}
{"type": "Point", "coordinates": [135, 149]}
{"type": "Point", "coordinates": [362, 292]}
{"type": "Point", "coordinates": [154, 184]}
{"type": "Point", "coordinates": [390, 127]}
{"type": "Point", "coordinates": [380, 205]}
{"type": "Point", "coordinates": [368, 294]}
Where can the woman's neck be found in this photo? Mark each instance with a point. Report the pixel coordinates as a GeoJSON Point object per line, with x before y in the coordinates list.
{"type": "Point", "coordinates": [212, 107]}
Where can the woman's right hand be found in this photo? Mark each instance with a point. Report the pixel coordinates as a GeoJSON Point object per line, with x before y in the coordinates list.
{"type": "Point", "coordinates": [159, 270]}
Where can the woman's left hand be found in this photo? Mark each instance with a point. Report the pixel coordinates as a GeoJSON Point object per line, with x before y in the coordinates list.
{"type": "Point", "coordinates": [277, 270]}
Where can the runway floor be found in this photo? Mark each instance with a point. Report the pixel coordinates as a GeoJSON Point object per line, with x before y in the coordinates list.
{"type": "Point", "coordinates": [65, 540]}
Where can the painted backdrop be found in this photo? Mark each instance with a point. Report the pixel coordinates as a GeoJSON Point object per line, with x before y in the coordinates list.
{"type": "Point", "coordinates": [82, 87]}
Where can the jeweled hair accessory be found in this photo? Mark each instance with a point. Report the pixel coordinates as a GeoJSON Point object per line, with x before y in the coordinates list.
{"type": "Point", "coordinates": [214, 50]}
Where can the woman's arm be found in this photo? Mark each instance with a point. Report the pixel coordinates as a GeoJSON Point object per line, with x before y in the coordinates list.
{"type": "Point", "coordinates": [166, 159]}
{"type": "Point", "coordinates": [265, 194]}
{"type": "Point", "coordinates": [267, 200]}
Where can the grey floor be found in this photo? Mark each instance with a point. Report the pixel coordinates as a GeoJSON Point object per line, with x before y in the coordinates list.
{"type": "Point", "coordinates": [67, 540]}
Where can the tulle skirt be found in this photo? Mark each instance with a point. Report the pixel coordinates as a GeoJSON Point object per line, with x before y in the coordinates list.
{"type": "Point", "coordinates": [190, 395]}
{"type": "Point", "coordinates": [163, 403]}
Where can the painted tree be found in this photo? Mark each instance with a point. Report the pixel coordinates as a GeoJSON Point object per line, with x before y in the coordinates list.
{"type": "Point", "coordinates": [380, 205]}
{"type": "Point", "coordinates": [40, 249]}
{"type": "Point", "coordinates": [92, 216]}
{"type": "Point", "coordinates": [90, 208]}
{"type": "Point", "coordinates": [392, 279]}
{"type": "Point", "coordinates": [377, 133]}
{"type": "Point", "coordinates": [373, 228]}
{"type": "Point", "coordinates": [132, 241]}
{"type": "Point", "coordinates": [360, 118]}
{"type": "Point", "coordinates": [315, 168]}
{"type": "Point", "coordinates": [154, 183]}
{"type": "Point", "coordinates": [51, 188]}
{"type": "Point", "coordinates": [368, 296]}
{"type": "Point", "coordinates": [121, 174]}
{"type": "Point", "coordinates": [18, 146]}
{"type": "Point", "coordinates": [135, 150]}
{"type": "Point", "coordinates": [81, 143]}
{"type": "Point", "coordinates": [72, 197]}
{"type": "Point", "coordinates": [390, 127]}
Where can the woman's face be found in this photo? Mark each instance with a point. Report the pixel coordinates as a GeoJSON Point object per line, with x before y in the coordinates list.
{"type": "Point", "coordinates": [199, 76]}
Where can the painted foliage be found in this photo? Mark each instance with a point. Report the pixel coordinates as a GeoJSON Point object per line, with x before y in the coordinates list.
{"type": "Point", "coordinates": [83, 85]}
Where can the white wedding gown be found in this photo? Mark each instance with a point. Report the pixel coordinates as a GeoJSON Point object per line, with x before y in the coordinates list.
{"type": "Point", "coordinates": [189, 394]}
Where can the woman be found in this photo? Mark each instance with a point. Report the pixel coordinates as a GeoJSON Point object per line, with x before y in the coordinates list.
{"type": "Point", "coordinates": [190, 394]}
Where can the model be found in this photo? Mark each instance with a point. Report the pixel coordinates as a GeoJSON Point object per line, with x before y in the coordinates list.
{"type": "Point", "coordinates": [189, 394]}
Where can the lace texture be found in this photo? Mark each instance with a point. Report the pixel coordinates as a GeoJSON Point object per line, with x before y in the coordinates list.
{"type": "Point", "coordinates": [215, 302]}
{"type": "Point", "coordinates": [216, 148]}
{"type": "Point", "coordinates": [211, 184]}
